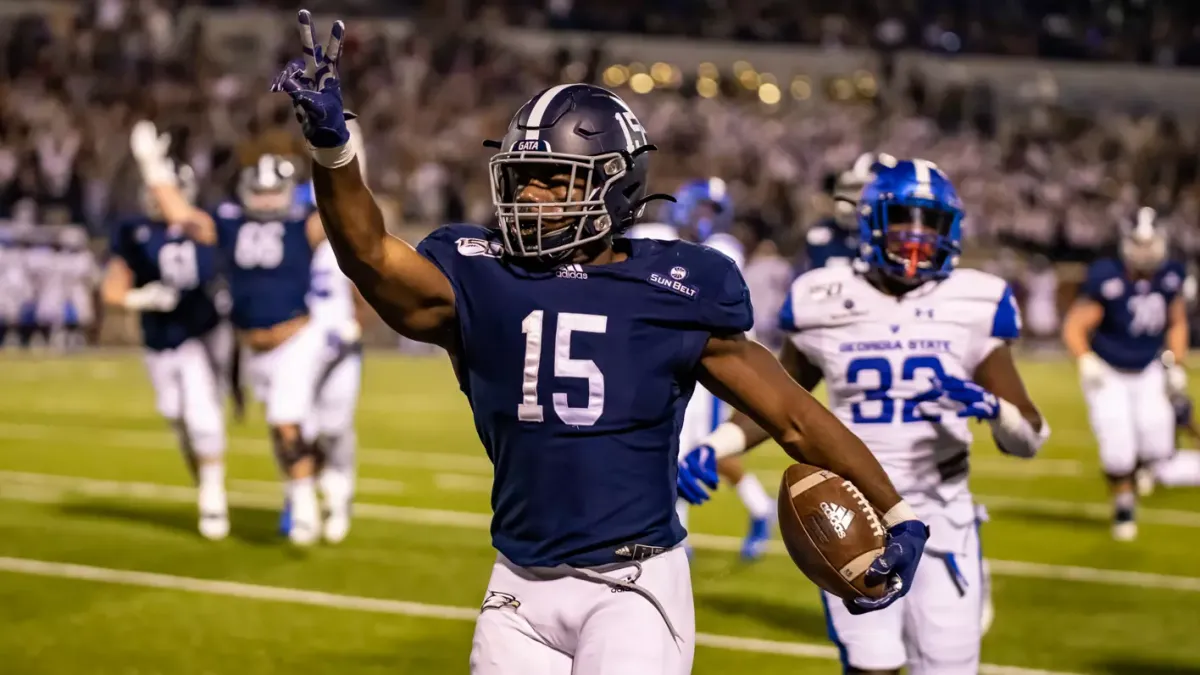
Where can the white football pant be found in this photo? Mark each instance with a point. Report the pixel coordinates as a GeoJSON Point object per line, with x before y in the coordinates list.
{"type": "Point", "coordinates": [284, 379]}
{"type": "Point", "coordinates": [187, 390]}
{"type": "Point", "coordinates": [549, 621]}
{"type": "Point", "coordinates": [936, 629]}
{"type": "Point", "coordinates": [1131, 418]}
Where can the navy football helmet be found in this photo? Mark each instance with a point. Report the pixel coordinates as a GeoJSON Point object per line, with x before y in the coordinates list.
{"type": "Point", "coordinates": [571, 170]}
{"type": "Point", "coordinates": [1143, 242]}
{"type": "Point", "coordinates": [910, 222]}
{"type": "Point", "coordinates": [267, 188]}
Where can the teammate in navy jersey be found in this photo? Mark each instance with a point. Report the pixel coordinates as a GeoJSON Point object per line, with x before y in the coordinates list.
{"type": "Point", "coordinates": [834, 240]}
{"type": "Point", "coordinates": [1131, 308]}
{"type": "Point", "coordinates": [577, 353]}
{"type": "Point", "coordinates": [266, 242]}
{"type": "Point", "coordinates": [157, 270]}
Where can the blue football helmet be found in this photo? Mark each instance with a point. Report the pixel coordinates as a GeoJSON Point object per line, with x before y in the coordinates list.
{"type": "Point", "coordinates": [702, 208]}
{"type": "Point", "coordinates": [267, 188]}
{"type": "Point", "coordinates": [910, 222]}
{"type": "Point", "coordinates": [583, 147]}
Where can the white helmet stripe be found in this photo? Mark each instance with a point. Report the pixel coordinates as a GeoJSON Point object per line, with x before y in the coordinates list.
{"type": "Point", "coordinates": [540, 106]}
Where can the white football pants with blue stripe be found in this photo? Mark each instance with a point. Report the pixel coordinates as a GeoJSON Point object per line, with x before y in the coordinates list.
{"type": "Point", "coordinates": [936, 628]}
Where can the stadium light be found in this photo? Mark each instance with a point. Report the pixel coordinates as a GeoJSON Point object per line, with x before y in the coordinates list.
{"type": "Point", "coordinates": [708, 70]}
{"type": "Point", "coordinates": [637, 67]}
{"type": "Point", "coordinates": [866, 84]}
{"type": "Point", "coordinates": [641, 83]}
{"type": "Point", "coordinates": [661, 72]}
{"type": "Point", "coordinates": [749, 79]}
{"type": "Point", "coordinates": [615, 76]}
{"type": "Point", "coordinates": [801, 88]}
{"type": "Point", "coordinates": [707, 87]}
{"type": "Point", "coordinates": [769, 93]}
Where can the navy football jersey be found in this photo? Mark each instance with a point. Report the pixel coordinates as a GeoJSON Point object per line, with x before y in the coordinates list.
{"type": "Point", "coordinates": [578, 378]}
{"type": "Point", "coordinates": [827, 244]}
{"type": "Point", "coordinates": [1131, 334]}
{"type": "Point", "coordinates": [155, 251]}
{"type": "Point", "coordinates": [269, 265]}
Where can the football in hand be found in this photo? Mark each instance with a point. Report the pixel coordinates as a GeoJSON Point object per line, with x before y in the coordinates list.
{"type": "Point", "coordinates": [832, 533]}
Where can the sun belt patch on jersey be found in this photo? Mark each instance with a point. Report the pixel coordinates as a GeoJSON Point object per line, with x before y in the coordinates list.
{"type": "Point", "coordinates": [673, 281]}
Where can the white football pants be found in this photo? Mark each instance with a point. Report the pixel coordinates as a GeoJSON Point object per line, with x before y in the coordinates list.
{"type": "Point", "coordinates": [1131, 418]}
{"type": "Point", "coordinates": [550, 621]}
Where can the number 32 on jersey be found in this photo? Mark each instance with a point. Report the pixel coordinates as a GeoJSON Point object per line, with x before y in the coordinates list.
{"type": "Point", "coordinates": [533, 326]}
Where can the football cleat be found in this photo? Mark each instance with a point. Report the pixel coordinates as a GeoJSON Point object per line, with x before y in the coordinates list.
{"type": "Point", "coordinates": [306, 516]}
{"type": "Point", "coordinates": [214, 514]}
{"type": "Point", "coordinates": [1124, 526]}
{"type": "Point", "coordinates": [754, 546]}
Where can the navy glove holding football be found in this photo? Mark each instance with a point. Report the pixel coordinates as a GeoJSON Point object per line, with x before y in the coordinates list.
{"type": "Point", "coordinates": [316, 91]}
{"type": "Point", "coordinates": [896, 567]}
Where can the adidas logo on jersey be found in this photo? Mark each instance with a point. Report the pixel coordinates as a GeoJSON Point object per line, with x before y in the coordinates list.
{"type": "Point", "coordinates": [839, 517]}
{"type": "Point", "coordinates": [570, 272]}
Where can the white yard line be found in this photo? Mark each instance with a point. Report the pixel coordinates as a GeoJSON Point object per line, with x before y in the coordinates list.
{"type": "Point", "coordinates": [357, 603]}
{"type": "Point", "coordinates": [37, 487]}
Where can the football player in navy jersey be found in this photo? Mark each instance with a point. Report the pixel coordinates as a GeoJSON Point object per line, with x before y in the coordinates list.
{"type": "Point", "coordinates": [157, 270]}
{"type": "Point", "coordinates": [266, 244]}
{"type": "Point", "coordinates": [1130, 310]}
{"type": "Point", "coordinates": [577, 353]}
{"type": "Point", "coordinates": [834, 240]}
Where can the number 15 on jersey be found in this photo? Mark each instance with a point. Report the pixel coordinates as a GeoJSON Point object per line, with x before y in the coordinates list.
{"type": "Point", "coordinates": [533, 326]}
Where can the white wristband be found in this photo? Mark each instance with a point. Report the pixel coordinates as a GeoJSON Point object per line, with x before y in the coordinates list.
{"type": "Point", "coordinates": [898, 514]}
{"type": "Point", "coordinates": [726, 440]}
{"type": "Point", "coordinates": [332, 158]}
{"type": "Point", "coordinates": [1015, 435]}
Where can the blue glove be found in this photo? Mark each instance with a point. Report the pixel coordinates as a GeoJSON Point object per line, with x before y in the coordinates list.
{"type": "Point", "coordinates": [971, 399]}
{"type": "Point", "coordinates": [313, 84]}
{"type": "Point", "coordinates": [697, 469]}
{"type": "Point", "coordinates": [896, 567]}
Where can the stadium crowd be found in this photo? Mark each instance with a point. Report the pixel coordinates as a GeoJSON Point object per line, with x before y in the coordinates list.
{"type": "Point", "coordinates": [1041, 177]}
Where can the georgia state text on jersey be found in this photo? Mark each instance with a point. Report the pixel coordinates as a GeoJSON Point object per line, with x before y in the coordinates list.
{"type": "Point", "coordinates": [155, 251]}
{"type": "Point", "coordinates": [269, 265]}
{"type": "Point", "coordinates": [879, 352]}
{"type": "Point", "coordinates": [1135, 312]}
{"type": "Point", "coordinates": [578, 378]}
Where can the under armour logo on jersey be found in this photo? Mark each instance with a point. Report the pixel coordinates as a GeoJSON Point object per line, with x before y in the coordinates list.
{"type": "Point", "coordinates": [570, 272]}
{"type": "Point", "coordinates": [926, 313]}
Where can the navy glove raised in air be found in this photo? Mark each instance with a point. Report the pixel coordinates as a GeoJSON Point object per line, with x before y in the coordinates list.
{"type": "Point", "coordinates": [896, 567]}
{"type": "Point", "coordinates": [316, 91]}
{"type": "Point", "coordinates": [697, 475]}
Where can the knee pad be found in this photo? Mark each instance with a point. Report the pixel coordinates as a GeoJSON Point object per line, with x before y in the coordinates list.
{"type": "Point", "coordinates": [1118, 462]}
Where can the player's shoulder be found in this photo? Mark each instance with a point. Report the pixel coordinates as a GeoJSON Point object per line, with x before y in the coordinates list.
{"type": "Point", "coordinates": [708, 283]}
{"type": "Point", "coordinates": [652, 231]}
{"type": "Point", "coordinates": [819, 296]}
{"type": "Point", "coordinates": [1105, 268]}
{"type": "Point", "coordinates": [973, 286]}
{"type": "Point", "coordinates": [729, 246]}
{"type": "Point", "coordinates": [461, 240]}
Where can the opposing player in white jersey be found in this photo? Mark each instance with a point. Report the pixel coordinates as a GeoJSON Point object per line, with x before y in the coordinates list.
{"type": "Point", "coordinates": [79, 276]}
{"type": "Point", "coordinates": [165, 276]}
{"type": "Point", "coordinates": [15, 290]}
{"type": "Point", "coordinates": [703, 213]}
{"type": "Point", "coordinates": [1131, 313]}
{"type": "Point", "coordinates": [911, 350]}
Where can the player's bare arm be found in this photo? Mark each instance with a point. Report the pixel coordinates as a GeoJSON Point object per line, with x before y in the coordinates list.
{"type": "Point", "coordinates": [407, 291]}
{"type": "Point", "coordinates": [117, 282]}
{"type": "Point", "coordinates": [1177, 330]}
{"type": "Point", "coordinates": [1081, 321]}
{"type": "Point", "coordinates": [751, 435]}
{"type": "Point", "coordinates": [998, 374]}
{"type": "Point", "coordinates": [150, 151]}
{"type": "Point", "coordinates": [743, 373]}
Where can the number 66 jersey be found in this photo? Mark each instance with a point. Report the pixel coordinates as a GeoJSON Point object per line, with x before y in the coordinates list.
{"type": "Point", "coordinates": [879, 352]}
{"type": "Point", "coordinates": [578, 377]}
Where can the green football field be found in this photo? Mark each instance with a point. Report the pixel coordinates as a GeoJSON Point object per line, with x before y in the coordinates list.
{"type": "Point", "coordinates": [101, 570]}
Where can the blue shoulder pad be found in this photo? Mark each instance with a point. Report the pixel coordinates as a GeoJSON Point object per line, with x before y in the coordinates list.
{"type": "Point", "coordinates": [1006, 324]}
{"type": "Point", "coordinates": [1099, 272]}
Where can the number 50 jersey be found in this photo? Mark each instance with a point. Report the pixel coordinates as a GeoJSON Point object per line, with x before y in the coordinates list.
{"type": "Point", "coordinates": [878, 352]}
{"type": "Point", "coordinates": [578, 377]}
